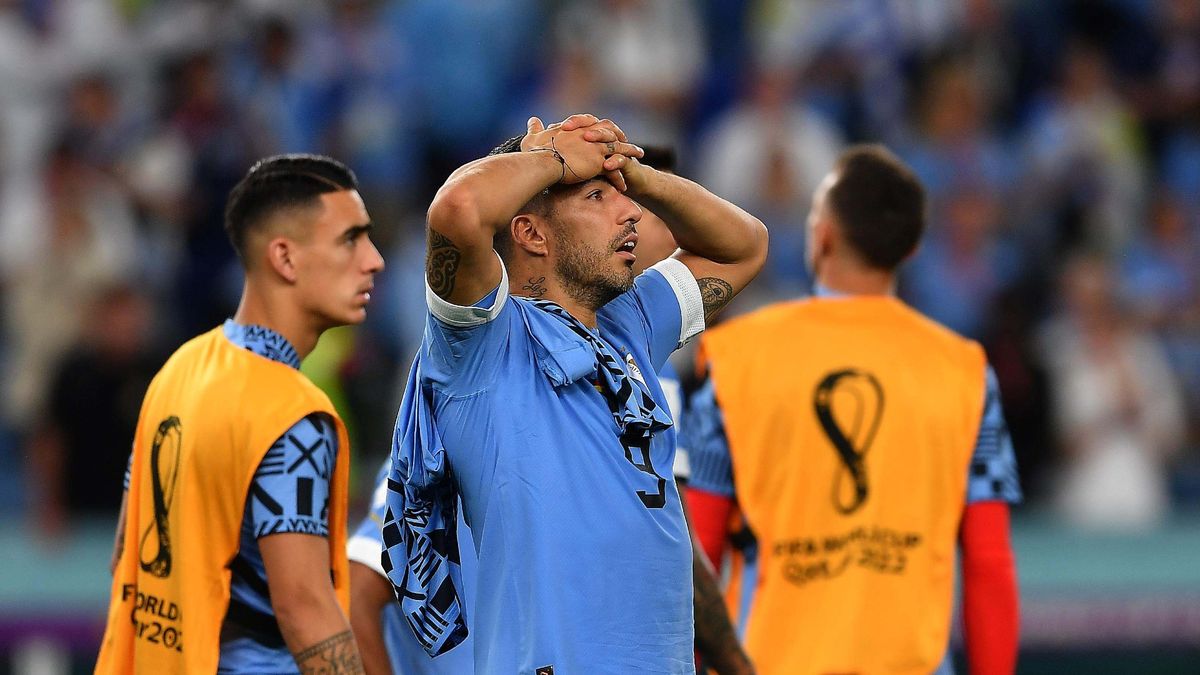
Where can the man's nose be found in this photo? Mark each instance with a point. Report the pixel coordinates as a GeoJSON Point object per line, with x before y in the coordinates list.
{"type": "Point", "coordinates": [375, 262]}
{"type": "Point", "coordinates": [633, 212]}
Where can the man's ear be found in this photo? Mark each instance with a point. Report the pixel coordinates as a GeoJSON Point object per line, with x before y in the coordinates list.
{"type": "Point", "coordinates": [529, 234]}
{"type": "Point", "coordinates": [820, 239]}
{"type": "Point", "coordinates": [281, 257]}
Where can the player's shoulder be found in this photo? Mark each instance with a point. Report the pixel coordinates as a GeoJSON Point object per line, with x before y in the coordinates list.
{"type": "Point", "coordinates": [938, 333]}
{"type": "Point", "coordinates": [188, 357]}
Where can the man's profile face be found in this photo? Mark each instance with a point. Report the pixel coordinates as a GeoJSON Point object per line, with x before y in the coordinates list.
{"type": "Point", "coordinates": [336, 263]}
{"type": "Point", "coordinates": [594, 242]}
{"type": "Point", "coordinates": [655, 241]}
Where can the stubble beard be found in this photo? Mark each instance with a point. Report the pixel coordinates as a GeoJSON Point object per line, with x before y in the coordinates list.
{"type": "Point", "coordinates": [587, 277]}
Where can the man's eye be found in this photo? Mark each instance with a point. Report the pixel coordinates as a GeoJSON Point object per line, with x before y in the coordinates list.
{"type": "Point", "coordinates": [595, 194]}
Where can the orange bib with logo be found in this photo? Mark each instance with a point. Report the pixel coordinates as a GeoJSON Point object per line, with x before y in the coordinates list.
{"type": "Point", "coordinates": [851, 423]}
{"type": "Point", "coordinates": [208, 418]}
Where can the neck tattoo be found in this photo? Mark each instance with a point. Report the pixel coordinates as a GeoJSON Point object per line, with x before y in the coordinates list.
{"type": "Point", "coordinates": [536, 288]}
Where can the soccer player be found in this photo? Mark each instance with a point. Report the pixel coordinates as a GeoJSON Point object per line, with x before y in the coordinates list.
{"type": "Point", "coordinates": [384, 637]}
{"type": "Point", "coordinates": [541, 409]}
{"type": "Point", "coordinates": [859, 440]}
{"type": "Point", "coordinates": [232, 556]}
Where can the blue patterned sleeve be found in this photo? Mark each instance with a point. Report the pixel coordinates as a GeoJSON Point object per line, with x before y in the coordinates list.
{"type": "Point", "coordinates": [993, 471]}
{"type": "Point", "coordinates": [290, 490]}
{"type": "Point", "coordinates": [703, 433]}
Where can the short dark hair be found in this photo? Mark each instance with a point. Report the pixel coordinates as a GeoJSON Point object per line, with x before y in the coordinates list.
{"type": "Point", "coordinates": [879, 204]}
{"type": "Point", "coordinates": [539, 204]}
{"type": "Point", "coordinates": [661, 157]}
{"type": "Point", "coordinates": [277, 183]}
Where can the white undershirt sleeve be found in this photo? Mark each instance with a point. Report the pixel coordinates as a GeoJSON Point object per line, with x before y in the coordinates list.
{"type": "Point", "coordinates": [458, 316]}
{"type": "Point", "coordinates": [366, 551]}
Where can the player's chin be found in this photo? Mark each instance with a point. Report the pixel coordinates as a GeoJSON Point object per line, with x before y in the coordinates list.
{"type": "Point", "coordinates": [624, 279]}
{"type": "Point", "coordinates": [355, 315]}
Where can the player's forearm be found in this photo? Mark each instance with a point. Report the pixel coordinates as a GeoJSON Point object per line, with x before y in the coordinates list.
{"type": "Point", "coordinates": [703, 223]}
{"type": "Point", "coordinates": [317, 633]}
{"type": "Point", "coordinates": [482, 196]}
{"type": "Point", "coordinates": [715, 637]}
{"type": "Point", "coordinates": [369, 593]}
{"type": "Point", "coordinates": [990, 617]}
{"type": "Point", "coordinates": [368, 630]}
{"type": "Point", "coordinates": [990, 604]}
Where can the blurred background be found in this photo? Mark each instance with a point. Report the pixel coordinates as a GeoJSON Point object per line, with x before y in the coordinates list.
{"type": "Point", "coordinates": [1059, 141]}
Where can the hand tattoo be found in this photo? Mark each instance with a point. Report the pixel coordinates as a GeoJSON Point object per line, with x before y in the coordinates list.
{"type": "Point", "coordinates": [716, 293]}
{"type": "Point", "coordinates": [337, 655]}
{"type": "Point", "coordinates": [441, 264]}
{"type": "Point", "coordinates": [535, 288]}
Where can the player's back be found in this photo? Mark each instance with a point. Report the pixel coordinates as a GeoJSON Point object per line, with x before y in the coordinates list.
{"type": "Point", "coordinates": [851, 423]}
{"type": "Point", "coordinates": [196, 448]}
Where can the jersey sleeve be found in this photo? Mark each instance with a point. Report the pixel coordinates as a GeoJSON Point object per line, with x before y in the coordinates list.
{"type": "Point", "coordinates": [461, 342]}
{"type": "Point", "coordinates": [366, 544]}
{"type": "Point", "coordinates": [665, 302]}
{"type": "Point", "coordinates": [703, 433]}
{"type": "Point", "coordinates": [459, 316]}
{"type": "Point", "coordinates": [290, 489]}
{"type": "Point", "coordinates": [992, 475]}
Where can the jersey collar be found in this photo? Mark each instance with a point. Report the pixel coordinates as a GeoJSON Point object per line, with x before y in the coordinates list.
{"type": "Point", "coordinates": [262, 341]}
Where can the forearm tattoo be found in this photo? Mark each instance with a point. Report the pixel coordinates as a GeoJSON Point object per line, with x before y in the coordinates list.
{"type": "Point", "coordinates": [337, 655]}
{"type": "Point", "coordinates": [441, 264]}
{"type": "Point", "coordinates": [716, 293]}
{"type": "Point", "coordinates": [715, 637]}
{"type": "Point", "coordinates": [536, 288]}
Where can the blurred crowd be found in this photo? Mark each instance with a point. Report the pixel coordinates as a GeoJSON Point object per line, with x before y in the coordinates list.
{"type": "Point", "coordinates": [1059, 141]}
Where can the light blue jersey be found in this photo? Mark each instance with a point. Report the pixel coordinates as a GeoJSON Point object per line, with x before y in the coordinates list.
{"type": "Point", "coordinates": [405, 653]}
{"type": "Point", "coordinates": [584, 559]}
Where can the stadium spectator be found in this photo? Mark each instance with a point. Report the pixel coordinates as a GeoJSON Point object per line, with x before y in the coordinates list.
{"type": "Point", "coordinates": [231, 550]}
{"type": "Point", "coordinates": [857, 468]}
{"type": "Point", "coordinates": [87, 239]}
{"type": "Point", "coordinates": [769, 152]}
{"type": "Point", "coordinates": [965, 264]}
{"type": "Point", "coordinates": [1119, 416]}
{"type": "Point", "coordinates": [80, 445]}
{"type": "Point", "coordinates": [649, 56]}
{"type": "Point", "coordinates": [1085, 173]}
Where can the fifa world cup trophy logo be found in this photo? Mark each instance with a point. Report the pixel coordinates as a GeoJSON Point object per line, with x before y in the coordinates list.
{"type": "Point", "coordinates": [154, 553]}
{"type": "Point", "coordinates": [849, 406]}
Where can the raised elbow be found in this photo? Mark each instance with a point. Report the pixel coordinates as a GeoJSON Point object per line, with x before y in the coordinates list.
{"type": "Point", "coordinates": [758, 243]}
{"type": "Point", "coordinates": [454, 209]}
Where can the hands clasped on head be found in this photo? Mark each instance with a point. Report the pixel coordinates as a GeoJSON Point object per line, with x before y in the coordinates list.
{"type": "Point", "coordinates": [587, 147]}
